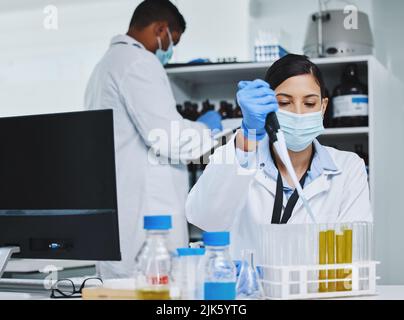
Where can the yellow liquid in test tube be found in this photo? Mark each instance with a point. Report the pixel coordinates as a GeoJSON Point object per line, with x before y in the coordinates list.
{"type": "Point", "coordinates": [340, 259]}
{"type": "Point", "coordinates": [322, 254]}
{"type": "Point", "coordinates": [331, 259]}
{"type": "Point", "coordinates": [335, 249]}
{"type": "Point", "coordinates": [348, 257]}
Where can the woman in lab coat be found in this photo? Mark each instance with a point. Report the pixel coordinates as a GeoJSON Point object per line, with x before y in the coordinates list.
{"type": "Point", "coordinates": [246, 185]}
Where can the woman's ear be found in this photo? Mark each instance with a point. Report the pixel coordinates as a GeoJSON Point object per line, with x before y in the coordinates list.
{"type": "Point", "coordinates": [324, 105]}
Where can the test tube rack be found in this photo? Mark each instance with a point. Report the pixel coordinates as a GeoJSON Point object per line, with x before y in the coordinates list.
{"type": "Point", "coordinates": [302, 282]}
{"type": "Point", "coordinates": [301, 261]}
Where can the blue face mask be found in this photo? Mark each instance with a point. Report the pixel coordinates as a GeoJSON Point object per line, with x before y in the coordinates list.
{"type": "Point", "coordinates": [300, 129]}
{"type": "Point", "coordinates": [165, 56]}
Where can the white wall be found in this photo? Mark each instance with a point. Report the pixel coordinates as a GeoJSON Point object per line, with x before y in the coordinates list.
{"type": "Point", "coordinates": [215, 29]}
{"type": "Point", "coordinates": [47, 70]}
{"type": "Point", "coordinates": [388, 32]}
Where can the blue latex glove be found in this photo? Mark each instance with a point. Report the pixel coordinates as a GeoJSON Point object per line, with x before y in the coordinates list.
{"type": "Point", "coordinates": [256, 99]}
{"type": "Point", "coordinates": [213, 120]}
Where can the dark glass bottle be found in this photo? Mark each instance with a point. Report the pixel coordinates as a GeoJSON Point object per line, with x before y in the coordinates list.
{"type": "Point", "coordinates": [190, 111]}
{"type": "Point", "coordinates": [207, 106]}
{"type": "Point", "coordinates": [180, 109]}
{"type": "Point", "coordinates": [226, 110]}
{"type": "Point", "coordinates": [237, 111]}
{"type": "Point", "coordinates": [350, 100]}
{"type": "Point", "coordinates": [194, 112]}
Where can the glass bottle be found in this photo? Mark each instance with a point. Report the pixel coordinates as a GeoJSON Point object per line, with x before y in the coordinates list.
{"type": "Point", "coordinates": [350, 100]}
{"type": "Point", "coordinates": [217, 268]}
{"type": "Point", "coordinates": [154, 261]}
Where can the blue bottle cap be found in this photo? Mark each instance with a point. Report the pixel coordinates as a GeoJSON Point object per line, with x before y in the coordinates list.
{"type": "Point", "coordinates": [157, 222]}
{"type": "Point", "coordinates": [216, 238]}
{"type": "Point", "coordinates": [182, 252]}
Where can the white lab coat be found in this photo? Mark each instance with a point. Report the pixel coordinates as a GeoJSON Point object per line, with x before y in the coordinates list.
{"type": "Point", "coordinates": [228, 197]}
{"type": "Point", "coordinates": [132, 82]}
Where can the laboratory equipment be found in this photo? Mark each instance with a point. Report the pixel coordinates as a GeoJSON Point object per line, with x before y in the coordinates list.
{"type": "Point", "coordinates": [217, 270]}
{"type": "Point", "coordinates": [248, 285]}
{"type": "Point", "coordinates": [153, 263]}
{"type": "Point", "coordinates": [277, 139]}
{"type": "Point", "coordinates": [332, 33]}
{"type": "Point", "coordinates": [302, 261]}
{"type": "Point", "coordinates": [267, 48]}
{"type": "Point", "coordinates": [350, 100]}
{"type": "Point", "coordinates": [58, 184]}
{"type": "Point", "coordinates": [186, 273]}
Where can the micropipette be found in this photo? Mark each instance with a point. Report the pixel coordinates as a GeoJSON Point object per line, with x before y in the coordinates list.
{"type": "Point", "coordinates": [277, 138]}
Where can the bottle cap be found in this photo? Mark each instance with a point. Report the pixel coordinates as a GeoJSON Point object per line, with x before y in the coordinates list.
{"type": "Point", "coordinates": [182, 252]}
{"type": "Point", "coordinates": [216, 238]}
{"type": "Point", "coordinates": [157, 222]}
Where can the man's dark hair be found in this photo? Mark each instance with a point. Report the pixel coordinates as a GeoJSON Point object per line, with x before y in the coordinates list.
{"type": "Point", "coordinates": [294, 65]}
{"type": "Point", "coordinates": [150, 11]}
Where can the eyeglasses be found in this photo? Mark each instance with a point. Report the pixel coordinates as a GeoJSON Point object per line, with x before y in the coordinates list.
{"type": "Point", "coordinates": [65, 288]}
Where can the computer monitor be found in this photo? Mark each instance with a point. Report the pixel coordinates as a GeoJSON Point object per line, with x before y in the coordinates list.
{"type": "Point", "coordinates": [58, 187]}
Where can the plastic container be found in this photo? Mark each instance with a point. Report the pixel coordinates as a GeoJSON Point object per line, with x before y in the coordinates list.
{"type": "Point", "coordinates": [217, 270]}
{"type": "Point", "coordinates": [154, 261]}
{"type": "Point", "coordinates": [186, 273]}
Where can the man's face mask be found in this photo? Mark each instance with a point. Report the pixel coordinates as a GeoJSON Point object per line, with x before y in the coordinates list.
{"type": "Point", "coordinates": [165, 55]}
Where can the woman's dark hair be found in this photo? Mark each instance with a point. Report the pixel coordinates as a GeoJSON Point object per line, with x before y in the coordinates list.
{"type": "Point", "coordinates": [294, 65]}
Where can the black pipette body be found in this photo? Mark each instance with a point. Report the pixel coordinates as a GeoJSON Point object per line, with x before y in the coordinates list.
{"type": "Point", "coordinates": [272, 126]}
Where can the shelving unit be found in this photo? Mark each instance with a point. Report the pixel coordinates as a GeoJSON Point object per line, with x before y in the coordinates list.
{"type": "Point", "coordinates": [383, 139]}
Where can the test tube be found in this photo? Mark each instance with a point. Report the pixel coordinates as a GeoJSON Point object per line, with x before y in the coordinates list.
{"type": "Point", "coordinates": [330, 234]}
{"type": "Point", "coordinates": [348, 256]}
{"type": "Point", "coordinates": [312, 244]}
{"type": "Point", "coordinates": [370, 240]}
{"type": "Point", "coordinates": [322, 255]}
{"type": "Point", "coordinates": [340, 245]}
{"type": "Point", "coordinates": [293, 254]}
{"type": "Point", "coordinates": [277, 241]}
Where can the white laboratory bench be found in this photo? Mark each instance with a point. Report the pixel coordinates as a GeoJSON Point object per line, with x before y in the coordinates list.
{"type": "Point", "coordinates": [384, 293]}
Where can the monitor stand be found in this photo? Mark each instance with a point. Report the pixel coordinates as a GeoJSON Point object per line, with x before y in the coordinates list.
{"type": "Point", "coordinates": [5, 256]}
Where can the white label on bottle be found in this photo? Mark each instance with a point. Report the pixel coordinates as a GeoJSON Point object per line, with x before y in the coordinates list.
{"type": "Point", "coordinates": [351, 106]}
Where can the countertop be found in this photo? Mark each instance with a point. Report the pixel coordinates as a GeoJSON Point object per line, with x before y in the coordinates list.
{"type": "Point", "coordinates": [384, 293]}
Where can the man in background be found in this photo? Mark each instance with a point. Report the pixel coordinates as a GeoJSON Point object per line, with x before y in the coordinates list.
{"type": "Point", "coordinates": [130, 79]}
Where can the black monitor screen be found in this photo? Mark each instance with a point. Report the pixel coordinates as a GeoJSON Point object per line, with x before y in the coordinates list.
{"type": "Point", "coordinates": [57, 186]}
{"type": "Point", "coordinates": [58, 161]}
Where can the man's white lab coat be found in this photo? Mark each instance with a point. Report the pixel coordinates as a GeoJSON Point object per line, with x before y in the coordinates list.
{"type": "Point", "coordinates": [132, 82]}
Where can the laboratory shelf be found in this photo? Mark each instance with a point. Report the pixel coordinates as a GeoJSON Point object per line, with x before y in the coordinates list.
{"type": "Point", "coordinates": [221, 73]}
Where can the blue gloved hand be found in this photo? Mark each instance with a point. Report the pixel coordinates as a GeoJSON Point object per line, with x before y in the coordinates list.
{"type": "Point", "coordinates": [213, 120]}
{"type": "Point", "coordinates": [256, 99]}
